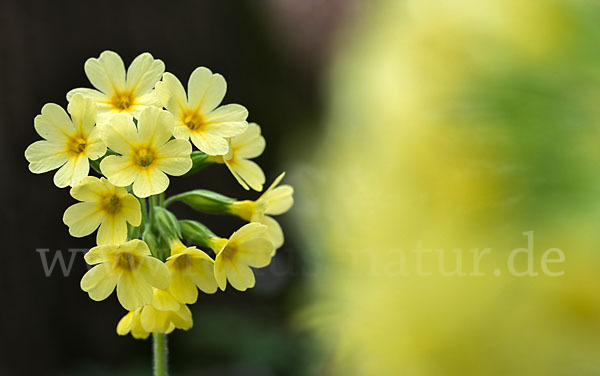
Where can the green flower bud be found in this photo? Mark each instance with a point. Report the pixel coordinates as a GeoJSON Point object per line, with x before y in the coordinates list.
{"type": "Point", "coordinates": [199, 161]}
{"type": "Point", "coordinates": [152, 241]}
{"type": "Point", "coordinates": [196, 233]}
{"type": "Point", "coordinates": [204, 201]}
{"type": "Point", "coordinates": [165, 223]}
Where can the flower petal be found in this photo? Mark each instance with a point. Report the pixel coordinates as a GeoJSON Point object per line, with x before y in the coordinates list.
{"type": "Point", "coordinates": [83, 218]}
{"type": "Point", "coordinates": [131, 210]}
{"type": "Point", "coordinates": [72, 172]}
{"type": "Point", "coordinates": [174, 157]}
{"type": "Point", "coordinates": [44, 156]}
{"type": "Point", "coordinates": [255, 252]}
{"type": "Point", "coordinates": [143, 73]}
{"type": "Point", "coordinates": [274, 232]}
{"type": "Point", "coordinates": [203, 275]}
{"type": "Point", "coordinates": [209, 143]}
{"type": "Point", "coordinates": [155, 272]}
{"type": "Point", "coordinates": [155, 127]}
{"type": "Point", "coordinates": [205, 90]}
{"type": "Point", "coordinates": [54, 124]}
{"type": "Point", "coordinates": [249, 144]}
{"type": "Point", "coordinates": [133, 292]}
{"type": "Point", "coordinates": [171, 94]}
{"type": "Point", "coordinates": [95, 95]}
{"type": "Point", "coordinates": [240, 276]}
{"type": "Point", "coordinates": [83, 114]}
{"type": "Point", "coordinates": [120, 134]}
{"type": "Point", "coordinates": [279, 200]}
{"type": "Point", "coordinates": [119, 170]}
{"type": "Point", "coordinates": [150, 181]}
{"type": "Point", "coordinates": [91, 189]}
{"type": "Point", "coordinates": [163, 301]}
{"type": "Point", "coordinates": [182, 287]}
{"type": "Point", "coordinates": [228, 120]}
{"type": "Point", "coordinates": [106, 73]}
{"type": "Point", "coordinates": [113, 230]}
{"type": "Point", "coordinates": [246, 171]}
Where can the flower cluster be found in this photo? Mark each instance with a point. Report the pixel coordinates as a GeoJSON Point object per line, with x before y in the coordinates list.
{"type": "Point", "coordinates": [134, 131]}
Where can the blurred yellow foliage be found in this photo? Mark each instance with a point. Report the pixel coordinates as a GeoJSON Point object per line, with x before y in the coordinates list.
{"type": "Point", "coordinates": [461, 125]}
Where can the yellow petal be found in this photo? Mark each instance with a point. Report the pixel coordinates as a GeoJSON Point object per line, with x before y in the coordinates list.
{"type": "Point", "coordinates": [220, 274]}
{"type": "Point", "coordinates": [90, 189]}
{"type": "Point", "coordinates": [54, 124]}
{"type": "Point", "coordinates": [72, 172]}
{"type": "Point", "coordinates": [182, 318]}
{"type": "Point", "coordinates": [95, 145]}
{"type": "Point", "coordinates": [203, 275]}
{"type": "Point", "coordinates": [83, 114]}
{"type": "Point", "coordinates": [119, 170]}
{"type": "Point", "coordinates": [144, 101]}
{"type": "Point", "coordinates": [101, 253]}
{"type": "Point", "coordinates": [279, 200]}
{"type": "Point", "coordinates": [274, 232]}
{"type": "Point", "coordinates": [171, 94]}
{"type": "Point", "coordinates": [174, 157]}
{"type": "Point", "coordinates": [133, 292]}
{"type": "Point", "coordinates": [143, 73]}
{"type": "Point", "coordinates": [150, 181]}
{"type": "Point", "coordinates": [248, 231]}
{"type": "Point", "coordinates": [206, 90]}
{"type": "Point", "coordinates": [240, 276]}
{"type": "Point", "coordinates": [181, 131]}
{"type": "Point", "coordinates": [247, 173]}
{"type": "Point", "coordinates": [182, 287]}
{"type": "Point", "coordinates": [155, 272]}
{"type": "Point", "coordinates": [155, 127]}
{"type": "Point", "coordinates": [131, 210]}
{"type": "Point", "coordinates": [209, 143]}
{"type": "Point", "coordinates": [249, 144]}
{"type": "Point", "coordinates": [228, 120]}
{"type": "Point", "coordinates": [106, 73]}
{"type": "Point", "coordinates": [124, 325]}
{"type": "Point", "coordinates": [164, 301]}
{"type": "Point", "coordinates": [44, 156]}
{"type": "Point", "coordinates": [96, 96]}
{"type": "Point", "coordinates": [120, 134]}
{"type": "Point", "coordinates": [155, 321]}
{"type": "Point", "coordinates": [99, 282]}
{"type": "Point", "coordinates": [255, 252]}
{"type": "Point", "coordinates": [83, 218]}
{"type": "Point", "coordinates": [113, 230]}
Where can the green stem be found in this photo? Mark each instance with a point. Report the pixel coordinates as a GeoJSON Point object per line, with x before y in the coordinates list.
{"type": "Point", "coordinates": [144, 213]}
{"type": "Point", "coordinates": [152, 204]}
{"type": "Point", "coordinates": [160, 354]}
{"type": "Point", "coordinates": [161, 199]}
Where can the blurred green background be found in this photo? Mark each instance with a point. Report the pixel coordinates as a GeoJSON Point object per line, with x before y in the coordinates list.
{"type": "Point", "coordinates": [448, 125]}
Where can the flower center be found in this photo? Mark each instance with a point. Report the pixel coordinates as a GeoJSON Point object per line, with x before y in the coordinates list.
{"type": "Point", "coordinates": [126, 261]}
{"type": "Point", "coordinates": [183, 262]}
{"type": "Point", "coordinates": [77, 145]}
{"type": "Point", "coordinates": [194, 121]}
{"type": "Point", "coordinates": [112, 204]}
{"type": "Point", "coordinates": [144, 157]}
{"type": "Point", "coordinates": [228, 252]}
{"type": "Point", "coordinates": [122, 101]}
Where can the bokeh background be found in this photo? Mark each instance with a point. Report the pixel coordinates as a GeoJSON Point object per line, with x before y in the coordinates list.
{"type": "Point", "coordinates": [451, 125]}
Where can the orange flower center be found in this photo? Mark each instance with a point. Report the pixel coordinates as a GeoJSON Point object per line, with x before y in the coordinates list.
{"type": "Point", "coordinates": [122, 101]}
{"type": "Point", "coordinates": [144, 157]}
{"type": "Point", "coordinates": [127, 261]}
{"type": "Point", "coordinates": [112, 204]}
{"type": "Point", "coordinates": [77, 145]}
{"type": "Point", "coordinates": [194, 121]}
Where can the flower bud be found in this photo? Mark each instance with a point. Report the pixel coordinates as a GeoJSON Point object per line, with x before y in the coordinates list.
{"type": "Point", "coordinates": [165, 223]}
{"type": "Point", "coordinates": [199, 161]}
{"type": "Point", "coordinates": [204, 201]}
{"type": "Point", "coordinates": [196, 233]}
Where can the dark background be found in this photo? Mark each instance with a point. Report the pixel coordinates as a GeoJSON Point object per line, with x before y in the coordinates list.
{"type": "Point", "coordinates": [273, 55]}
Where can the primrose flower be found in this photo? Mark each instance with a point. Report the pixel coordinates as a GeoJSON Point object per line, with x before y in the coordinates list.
{"type": "Point", "coordinates": [189, 269]}
{"type": "Point", "coordinates": [128, 266]}
{"type": "Point", "coordinates": [103, 205]}
{"type": "Point", "coordinates": [249, 144]}
{"type": "Point", "coordinates": [276, 200]}
{"type": "Point", "coordinates": [117, 91]}
{"type": "Point", "coordinates": [147, 155]}
{"type": "Point", "coordinates": [247, 247]}
{"type": "Point", "coordinates": [68, 142]}
{"type": "Point", "coordinates": [164, 315]}
{"type": "Point", "coordinates": [132, 322]}
{"type": "Point", "coordinates": [197, 116]}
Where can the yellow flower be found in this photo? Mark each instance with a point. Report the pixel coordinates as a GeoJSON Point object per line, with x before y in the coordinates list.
{"type": "Point", "coordinates": [103, 205]}
{"type": "Point", "coordinates": [162, 316]}
{"type": "Point", "coordinates": [189, 268]}
{"type": "Point", "coordinates": [119, 92]}
{"type": "Point", "coordinates": [68, 142]}
{"type": "Point", "coordinates": [146, 152]}
{"type": "Point", "coordinates": [276, 200]}
{"type": "Point", "coordinates": [132, 322]}
{"type": "Point", "coordinates": [197, 116]}
{"type": "Point", "coordinates": [249, 144]}
{"type": "Point", "coordinates": [129, 267]}
{"type": "Point", "coordinates": [247, 247]}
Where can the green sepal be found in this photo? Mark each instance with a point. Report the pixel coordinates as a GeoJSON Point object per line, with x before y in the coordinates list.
{"type": "Point", "coordinates": [200, 160]}
{"type": "Point", "coordinates": [196, 232]}
{"type": "Point", "coordinates": [165, 224]}
{"type": "Point", "coordinates": [133, 232]}
{"type": "Point", "coordinates": [152, 241]}
{"type": "Point", "coordinates": [204, 201]}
